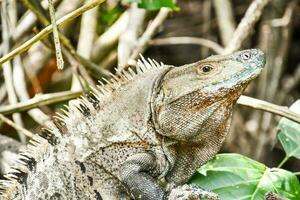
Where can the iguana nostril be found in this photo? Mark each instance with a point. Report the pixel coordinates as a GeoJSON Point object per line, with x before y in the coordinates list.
{"type": "Point", "coordinates": [246, 56]}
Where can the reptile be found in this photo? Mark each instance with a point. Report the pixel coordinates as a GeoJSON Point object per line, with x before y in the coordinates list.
{"type": "Point", "coordinates": [140, 135]}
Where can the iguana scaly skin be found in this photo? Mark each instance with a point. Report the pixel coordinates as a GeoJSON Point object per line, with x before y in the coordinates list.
{"type": "Point", "coordinates": [140, 135]}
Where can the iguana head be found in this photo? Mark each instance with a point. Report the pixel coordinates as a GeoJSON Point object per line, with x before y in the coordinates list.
{"type": "Point", "coordinates": [197, 98]}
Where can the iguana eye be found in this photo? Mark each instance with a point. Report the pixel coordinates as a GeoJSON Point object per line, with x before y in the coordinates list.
{"type": "Point", "coordinates": [205, 69]}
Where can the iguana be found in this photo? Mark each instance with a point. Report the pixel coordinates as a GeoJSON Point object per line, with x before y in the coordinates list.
{"type": "Point", "coordinates": [9, 148]}
{"type": "Point", "coordinates": [141, 135]}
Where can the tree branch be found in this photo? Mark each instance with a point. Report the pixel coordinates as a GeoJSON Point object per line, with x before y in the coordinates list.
{"type": "Point", "coordinates": [19, 128]}
{"type": "Point", "coordinates": [269, 107]}
{"type": "Point", "coordinates": [148, 34]}
{"type": "Point", "coordinates": [48, 30]}
{"type": "Point", "coordinates": [188, 40]}
{"type": "Point", "coordinates": [39, 100]}
{"type": "Point", "coordinates": [243, 30]}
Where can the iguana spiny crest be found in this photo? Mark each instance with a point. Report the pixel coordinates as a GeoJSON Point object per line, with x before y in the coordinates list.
{"type": "Point", "coordinates": [137, 136]}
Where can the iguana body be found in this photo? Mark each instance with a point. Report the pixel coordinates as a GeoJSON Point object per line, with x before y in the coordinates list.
{"type": "Point", "coordinates": [136, 134]}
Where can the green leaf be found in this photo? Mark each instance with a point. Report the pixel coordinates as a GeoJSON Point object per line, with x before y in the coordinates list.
{"type": "Point", "coordinates": [108, 17]}
{"type": "Point", "coordinates": [155, 4]}
{"type": "Point", "coordinates": [234, 176]}
{"type": "Point", "coordinates": [289, 134]}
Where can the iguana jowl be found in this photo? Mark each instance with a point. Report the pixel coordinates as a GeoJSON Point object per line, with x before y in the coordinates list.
{"type": "Point", "coordinates": [136, 136]}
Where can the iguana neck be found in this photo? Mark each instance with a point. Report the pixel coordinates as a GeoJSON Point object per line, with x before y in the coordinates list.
{"type": "Point", "coordinates": [186, 157]}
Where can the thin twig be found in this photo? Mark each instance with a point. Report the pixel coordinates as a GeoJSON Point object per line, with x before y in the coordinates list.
{"type": "Point", "coordinates": [287, 16]}
{"type": "Point", "coordinates": [269, 107]}
{"type": "Point", "coordinates": [3, 93]}
{"type": "Point", "coordinates": [87, 32]}
{"type": "Point", "coordinates": [148, 34]}
{"type": "Point", "coordinates": [44, 19]}
{"type": "Point", "coordinates": [188, 40]}
{"type": "Point", "coordinates": [297, 173]}
{"type": "Point", "coordinates": [94, 69]}
{"type": "Point", "coordinates": [39, 100]}
{"type": "Point", "coordinates": [105, 43]}
{"type": "Point", "coordinates": [21, 90]}
{"type": "Point", "coordinates": [225, 19]}
{"type": "Point", "coordinates": [64, 8]}
{"type": "Point", "coordinates": [85, 43]}
{"type": "Point", "coordinates": [59, 57]}
{"type": "Point", "coordinates": [8, 23]}
{"type": "Point", "coordinates": [74, 62]}
{"type": "Point", "coordinates": [27, 21]}
{"type": "Point", "coordinates": [48, 30]}
{"type": "Point", "coordinates": [252, 15]}
{"type": "Point", "coordinates": [110, 60]}
{"type": "Point", "coordinates": [288, 85]}
{"type": "Point", "coordinates": [38, 54]}
{"type": "Point", "coordinates": [130, 36]}
{"type": "Point", "coordinates": [66, 42]}
{"type": "Point", "coordinates": [16, 126]}
{"type": "Point", "coordinates": [38, 12]}
{"type": "Point", "coordinates": [206, 28]}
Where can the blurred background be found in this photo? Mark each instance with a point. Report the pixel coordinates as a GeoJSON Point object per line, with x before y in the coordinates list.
{"type": "Point", "coordinates": [115, 32]}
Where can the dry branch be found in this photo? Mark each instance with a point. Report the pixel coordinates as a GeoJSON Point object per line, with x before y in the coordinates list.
{"type": "Point", "coordinates": [148, 34]}
{"type": "Point", "coordinates": [225, 19]}
{"type": "Point", "coordinates": [105, 43]}
{"type": "Point", "coordinates": [8, 19]}
{"type": "Point", "coordinates": [38, 54]}
{"type": "Point", "coordinates": [85, 41]}
{"type": "Point", "coordinates": [59, 57]}
{"type": "Point", "coordinates": [87, 33]}
{"type": "Point", "coordinates": [21, 91]}
{"type": "Point", "coordinates": [269, 107]}
{"type": "Point", "coordinates": [188, 40]}
{"type": "Point", "coordinates": [48, 30]}
{"type": "Point", "coordinates": [39, 100]}
{"type": "Point", "coordinates": [16, 126]}
{"type": "Point", "coordinates": [130, 36]}
{"type": "Point", "coordinates": [244, 28]}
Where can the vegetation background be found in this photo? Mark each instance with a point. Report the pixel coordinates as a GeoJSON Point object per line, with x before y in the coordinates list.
{"type": "Point", "coordinates": [43, 66]}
